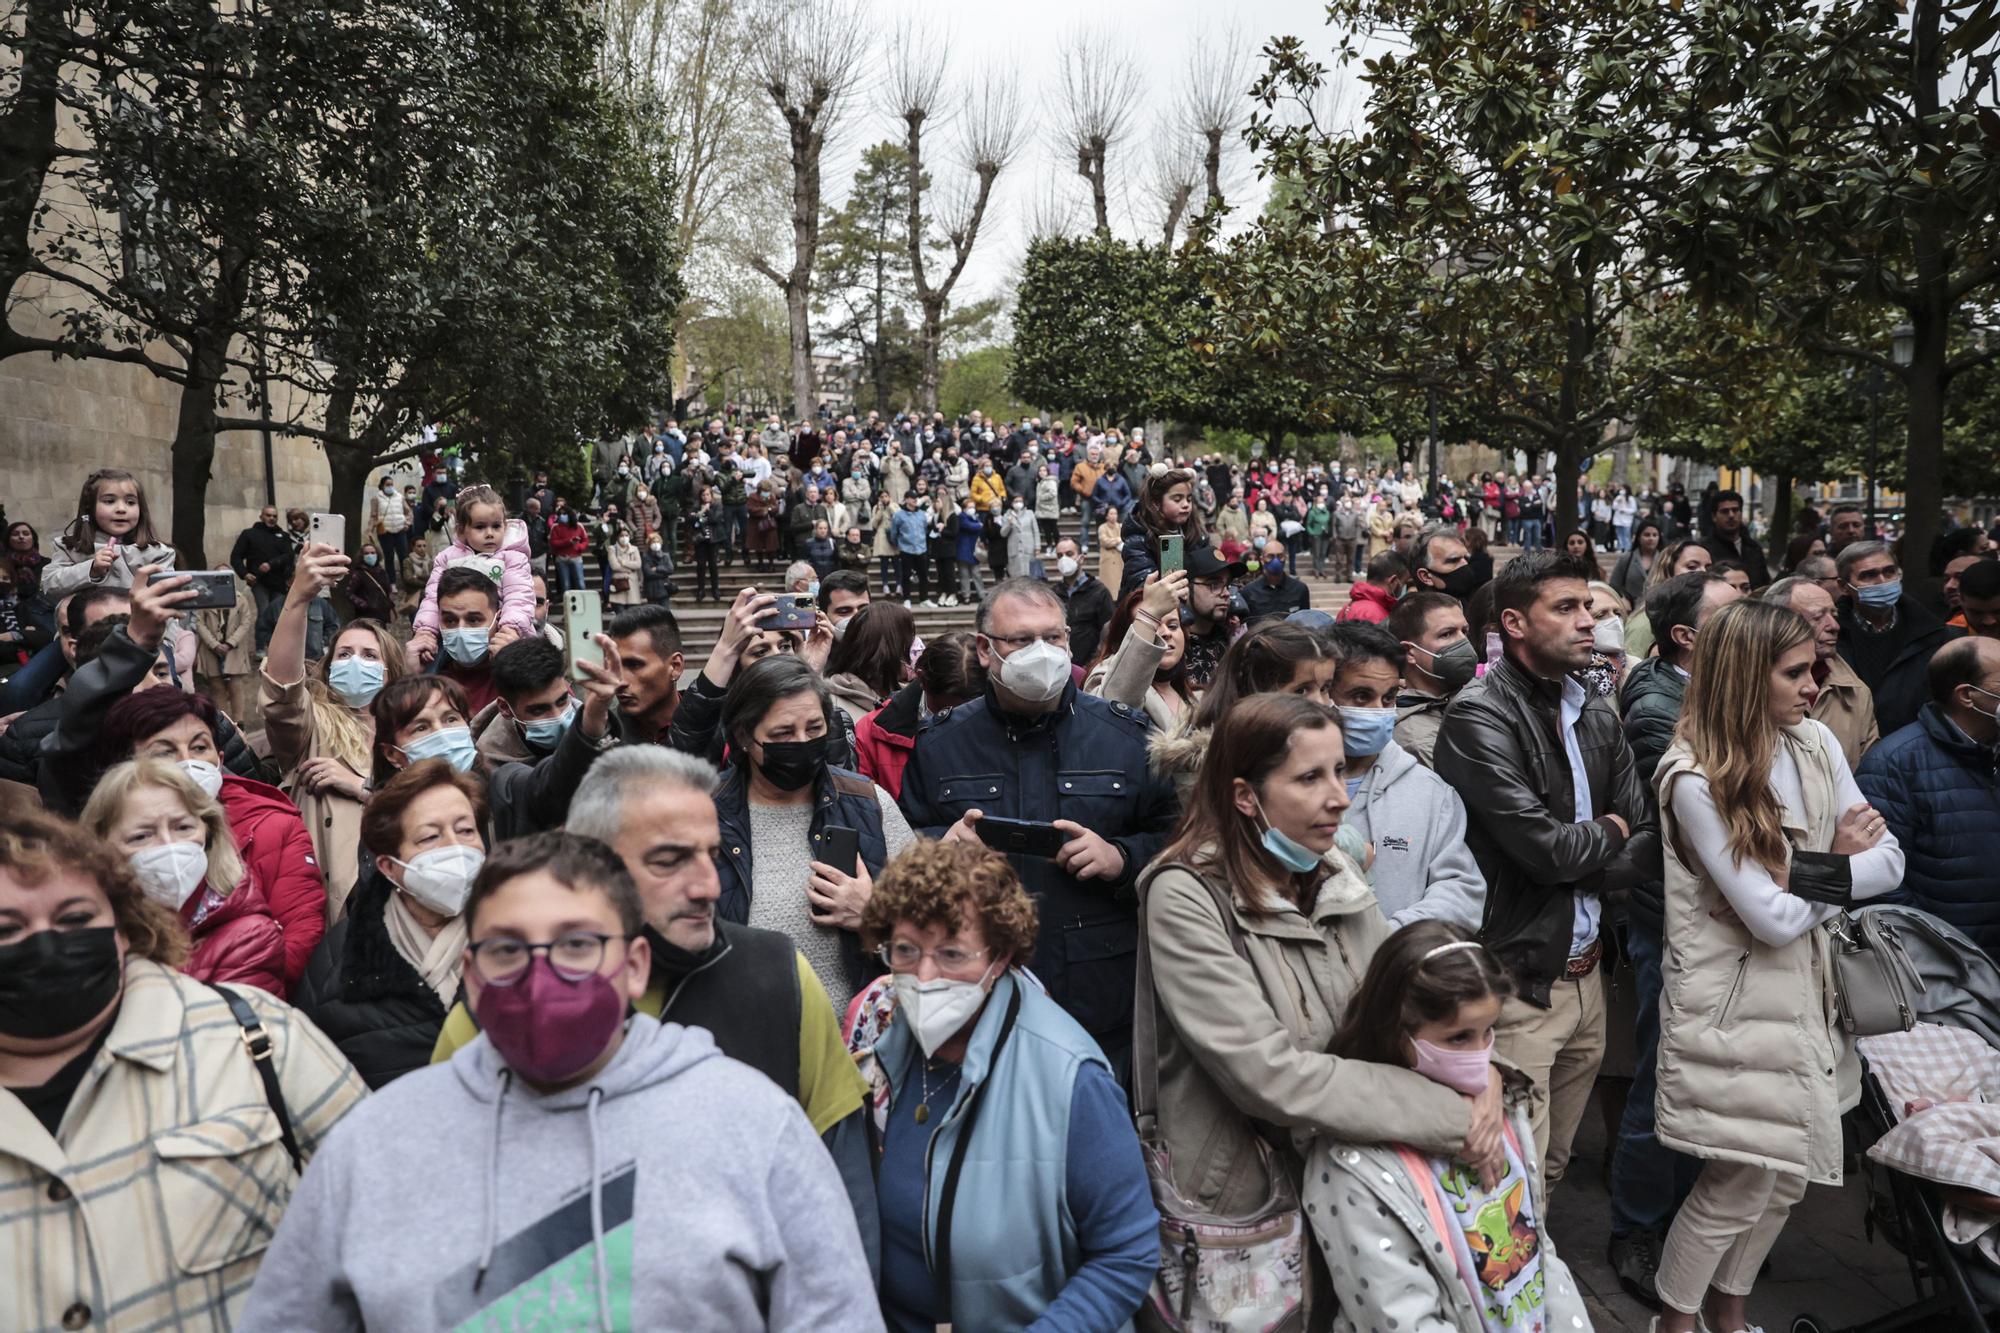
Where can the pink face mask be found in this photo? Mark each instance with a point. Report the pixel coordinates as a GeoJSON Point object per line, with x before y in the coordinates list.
{"type": "Point", "coordinates": [1462, 1071]}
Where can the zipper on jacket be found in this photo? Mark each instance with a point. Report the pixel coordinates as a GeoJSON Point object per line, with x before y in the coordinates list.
{"type": "Point", "coordinates": [693, 972]}
{"type": "Point", "coordinates": [1729, 1001]}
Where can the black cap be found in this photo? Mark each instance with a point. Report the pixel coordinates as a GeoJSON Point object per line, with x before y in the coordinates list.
{"type": "Point", "coordinates": [1202, 562]}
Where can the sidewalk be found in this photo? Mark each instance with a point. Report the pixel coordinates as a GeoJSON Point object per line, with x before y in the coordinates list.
{"type": "Point", "coordinates": [1824, 1264]}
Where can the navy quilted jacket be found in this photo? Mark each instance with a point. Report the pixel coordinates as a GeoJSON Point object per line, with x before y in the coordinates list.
{"type": "Point", "coordinates": [1937, 790]}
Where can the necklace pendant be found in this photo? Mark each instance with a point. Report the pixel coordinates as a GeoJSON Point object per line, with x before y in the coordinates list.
{"type": "Point", "coordinates": [923, 1112]}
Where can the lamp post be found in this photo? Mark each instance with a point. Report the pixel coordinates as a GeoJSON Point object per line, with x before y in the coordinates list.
{"type": "Point", "coordinates": [1902, 350]}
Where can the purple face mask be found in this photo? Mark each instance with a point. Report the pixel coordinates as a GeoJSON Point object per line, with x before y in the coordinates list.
{"type": "Point", "coordinates": [548, 1029]}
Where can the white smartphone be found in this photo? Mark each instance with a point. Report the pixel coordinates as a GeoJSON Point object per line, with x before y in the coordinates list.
{"type": "Point", "coordinates": [327, 529]}
{"type": "Point", "coordinates": [583, 621]}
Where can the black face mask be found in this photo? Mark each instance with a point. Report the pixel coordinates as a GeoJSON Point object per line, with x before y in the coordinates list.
{"type": "Point", "coordinates": [1460, 583]}
{"type": "Point", "coordinates": [55, 981]}
{"type": "Point", "coordinates": [790, 765]}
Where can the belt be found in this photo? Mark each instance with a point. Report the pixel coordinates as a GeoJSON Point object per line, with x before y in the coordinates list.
{"type": "Point", "coordinates": [1583, 964]}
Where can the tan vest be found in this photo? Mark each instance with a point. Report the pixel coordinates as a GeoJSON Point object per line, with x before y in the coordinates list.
{"type": "Point", "coordinates": [1753, 1065]}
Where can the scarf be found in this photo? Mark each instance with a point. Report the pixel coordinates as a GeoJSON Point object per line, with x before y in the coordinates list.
{"type": "Point", "coordinates": [435, 959]}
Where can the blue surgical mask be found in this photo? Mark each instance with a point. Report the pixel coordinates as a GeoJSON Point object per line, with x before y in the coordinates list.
{"type": "Point", "coordinates": [467, 646]}
{"type": "Point", "coordinates": [1291, 854]}
{"type": "Point", "coordinates": [452, 744]}
{"type": "Point", "coordinates": [369, 559]}
{"type": "Point", "coordinates": [812, 590]}
{"type": "Point", "coordinates": [1879, 594]}
{"type": "Point", "coordinates": [357, 680]}
{"type": "Point", "coordinates": [1366, 730]}
{"type": "Point", "coordinates": [547, 732]}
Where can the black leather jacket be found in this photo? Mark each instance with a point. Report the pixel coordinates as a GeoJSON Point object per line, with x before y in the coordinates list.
{"type": "Point", "coordinates": [1501, 748]}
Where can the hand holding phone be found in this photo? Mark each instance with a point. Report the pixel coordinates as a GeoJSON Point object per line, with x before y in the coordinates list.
{"type": "Point", "coordinates": [794, 611]}
{"type": "Point", "coordinates": [328, 530]}
{"type": "Point", "coordinates": [1020, 837]}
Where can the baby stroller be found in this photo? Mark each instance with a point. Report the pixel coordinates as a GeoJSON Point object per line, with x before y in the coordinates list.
{"type": "Point", "coordinates": [1957, 1285]}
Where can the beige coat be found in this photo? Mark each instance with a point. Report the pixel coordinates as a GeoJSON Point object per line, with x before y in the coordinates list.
{"type": "Point", "coordinates": [1126, 677]}
{"type": "Point", "coordinates": [234, 625]}
{"type": "Point", "coordinates": [1111, 557]}
{"type": "Point", "coordinates": [152, 1205]}
{"type": "Point", "coordinates": [626, 563]}
{"type": "Point", "coordinates": [1847, 706]}
{"type": "Point", "coordinates": [1754, 1066]}
{"type": "Point", "coordinates": [334, 821]}
{"type": "Point", "coordinates": [1243, 1040]}
{"type": "Point", "coordinates": [1381, 530]}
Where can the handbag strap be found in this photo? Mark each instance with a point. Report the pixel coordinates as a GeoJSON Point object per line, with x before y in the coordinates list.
{"type": "Point", "coordinates": [941, 1250]}
{"type": "Point", "coordinates": [258, 1043]}
{"type": "Point", "coordinates": [1145, 1009]}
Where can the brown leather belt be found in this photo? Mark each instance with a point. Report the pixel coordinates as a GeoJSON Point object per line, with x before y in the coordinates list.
{"type": "Point", "coordinates": [1586, 962]}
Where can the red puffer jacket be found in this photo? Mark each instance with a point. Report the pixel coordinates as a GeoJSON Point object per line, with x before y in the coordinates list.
{"type": "Point", "coordinates": [279, 853]}
{"type": "Point", "coordinates": [884, 739]}
{"type": "Point", "coordinates": [236, 939]}
{"type": "Point", "coordinates": [1368, 603]}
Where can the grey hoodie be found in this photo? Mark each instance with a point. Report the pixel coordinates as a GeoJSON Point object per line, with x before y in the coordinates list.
{"type": "Point", "coordinates": [677, 1189]}
{"type": "Point", "coordinates": [1416, 822]}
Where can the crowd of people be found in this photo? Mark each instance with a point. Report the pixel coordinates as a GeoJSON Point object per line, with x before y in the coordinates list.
{"type": "Point", "coordinates": [379, 950]}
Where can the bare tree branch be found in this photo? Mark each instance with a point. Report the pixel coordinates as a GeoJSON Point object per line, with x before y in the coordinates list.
{"type": "Point", "coordinates": [1178, 169]}
{"type": "Point", "coordinates": [1095, 96]}
{"type": "Point", "coordinates": [1215, 99]}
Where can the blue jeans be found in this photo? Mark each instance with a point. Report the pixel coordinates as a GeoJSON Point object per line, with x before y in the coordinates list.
{"type": "Point", "coordinates": [1648, 1182]}
{"type": "Point", "coordinates": [569, 573]}
{"type": "Point", "coordinates": [35, 681]}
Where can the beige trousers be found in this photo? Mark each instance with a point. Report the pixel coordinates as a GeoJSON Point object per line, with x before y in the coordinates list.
{"type": "Point", "coordinates": [1723, 1232]}
{"type": "Point", "coordinates": [1560, 1048]}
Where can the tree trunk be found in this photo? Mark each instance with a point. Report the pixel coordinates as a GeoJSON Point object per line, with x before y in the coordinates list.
{"type": "Point", "coordinates": [1212, 163]}
{"type": "Point", "coordinates": [1090, 166]}
{"type": "Point", "coordinates": [28, 137]}
{"type": "Point", "coordinates": [804, 403]}
{"type": "Point", "coordinates": [193, 450]}
{"type": "Point", "coordinates": [928, 378]}
{"type": "Point", "coordinates": [348, 463]}
{"type": "Point", "coordinates": [1569, 459]}
{"type": "Point", "coordinates": [1930, 318]}
{"type": "Point", "coordinates": [1779, 534]}
{"type": "Point", "coordinates": [1176, 206]}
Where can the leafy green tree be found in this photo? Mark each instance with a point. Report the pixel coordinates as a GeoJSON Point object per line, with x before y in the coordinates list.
{"type": "Point", "coordinates": [1844, 156]}
{"type": "Point", "coordinates": [866, 294]}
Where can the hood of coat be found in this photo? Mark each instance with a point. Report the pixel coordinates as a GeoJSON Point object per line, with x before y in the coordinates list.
{"type": "Point", "coordinates": [498, 737]}
{"type": "Point", "coordinates": [1178, 753]}
{"type": "Point", "coordinates": [1393, 764]}
{"type": "Point", "coordinates": [248, 803]}
{"type": "Point", "coordinates": [853, 693]}
{"type": "Point", "coordinates": [247, 899]}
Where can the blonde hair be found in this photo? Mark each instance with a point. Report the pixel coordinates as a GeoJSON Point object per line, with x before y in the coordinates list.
{"type": "Point", "coordinates": [1726, 720]}
{"type": "Point", "coordinates": [1619, 605]}
{"type": "Point", "coordinates": [340, 733]}
{"type": "Point", "coordinates": [107, 802]}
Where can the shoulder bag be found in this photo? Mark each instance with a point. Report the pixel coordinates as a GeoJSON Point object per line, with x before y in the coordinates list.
{"type": "Point", "coordinates": [1218, 1274]}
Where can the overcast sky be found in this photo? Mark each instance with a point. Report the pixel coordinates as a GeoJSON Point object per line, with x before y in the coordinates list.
{"type": "Point", "coordinates": [1023, 36]}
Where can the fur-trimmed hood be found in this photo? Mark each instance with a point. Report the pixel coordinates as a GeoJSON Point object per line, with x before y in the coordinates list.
{"type": "Point", "coordinates": [1178, 754]}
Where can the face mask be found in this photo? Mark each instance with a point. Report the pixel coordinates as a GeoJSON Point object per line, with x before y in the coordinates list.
{"type": "Point", "coordinates": [624, 471]}
{"type": "Point", "coordinates": [1067, 566]}
{"type": "Point", "coordinates": [1275, 565]}
{"type": "Point", "coordinates": [1608, 636]}
{"type": "Point", "coordinates": [452, 744]}
{"type": "Point", "coordinates": [1036, 673]}
{"type": "Point", "coordinates": [812, 590]}
{"type": "Point", "coordinates": [548, 1028]}
{"type": "Point", "coordinates": [1453, 665]}
{"type": "Point", "coordinates": [1291, 854]}
{"type": "Point", "coordinates": [356, 680]}
{"type": "Point", "coordinates": [1460, 583]}
{"type": "Point", "coordinates": [442, 877]}
{"type": "Point", "coordinates": [546, 732]}
{"type": "Point", "coordinates": [790, 765]}
{"type": "Point", "coordinates": [938, 1008]}
{"type": "Point", "coordinates": [171, 871]}
{"type": "Point", "coordinates": [562, 518]}
{"type": "Point", "coordinates": [55, 981]}
{"type": "Point", "coordinates": [467, 646]}
{"type": "Point", "coordinates": [1468, 1072]}
{"type": "Point", "coordinates": [1366, 730]}
{"type": "Point", "coordinates": [206, 776]}
{"type": "Point", "coordinates": [369, 560]}
{"type": "Point", "coordinates": [1879, 594]}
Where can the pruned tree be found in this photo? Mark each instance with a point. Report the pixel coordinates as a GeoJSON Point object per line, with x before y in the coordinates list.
{"type": "Point", "coordinates": [1177, 174]}
{"type": "Point", "coordinates": [990, 136]}
{"type": "Point", "coordinates": [808, 56]}
{"type": "Point", "coordinates": [1215, 102]}
{"type": "Point", "coordinates": [1096, 93]}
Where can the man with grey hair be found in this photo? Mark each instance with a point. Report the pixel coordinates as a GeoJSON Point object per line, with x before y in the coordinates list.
{"type": "Point", "coordinates": [752, 989]}
{"type": "Point", "coordinates": [1820, 569]}
{"type": "Point", "coordinates": [1038, 749]}
{"type": "Point", "coordinates": [1845, 704]}
{"type": "Point", "coordinates": [1439, 562]}
{"type": "Point", "coordinates": [1886, 635]}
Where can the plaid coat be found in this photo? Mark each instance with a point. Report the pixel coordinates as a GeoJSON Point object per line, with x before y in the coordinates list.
{"type": "Point", "coordinates": [152, 1206]}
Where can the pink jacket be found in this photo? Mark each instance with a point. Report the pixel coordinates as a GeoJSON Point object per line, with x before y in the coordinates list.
{"type": "Point", "coordinates": [517, 588]}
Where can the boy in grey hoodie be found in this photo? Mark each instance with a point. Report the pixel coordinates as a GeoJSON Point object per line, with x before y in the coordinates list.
{"type": "Point", "coordinates": [572, 1167]}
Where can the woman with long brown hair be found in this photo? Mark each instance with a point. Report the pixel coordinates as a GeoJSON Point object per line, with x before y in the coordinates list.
{"type": "Point", "coordinates": [871, 659]}
{"type": "Point", "coordinates": [1766, 836]}
{"type": "Point", "coordinates": [1257, 932]}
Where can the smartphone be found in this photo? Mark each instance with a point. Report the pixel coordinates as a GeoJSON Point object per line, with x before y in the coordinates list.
{"type": "Point", "coordinates": [212, 587]}
{"type": "Point", "coordinates": [793, 611]}
{"type": "Point", "coordinates": [327, 529]}
{"type": "Point", "coordinates": [841, 849]}
{"type": "Point", "coordinates": [1171, 553]}
{"type": "Point", "coordinates": [583, 621]}
{"type": "Point", "coordinates": [1022, 837]}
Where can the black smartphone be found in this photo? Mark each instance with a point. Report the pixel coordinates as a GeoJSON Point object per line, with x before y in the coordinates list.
{"type": "Point", "coordinates": [212, 587]}
{"type": "Point", "coordinates": [793, 611]}
{"type": "Point", "coordinates": [1020, 837]}
{"type": "Point", "coordinates": [841, 849]}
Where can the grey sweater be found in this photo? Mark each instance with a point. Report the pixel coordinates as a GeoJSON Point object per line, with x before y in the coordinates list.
{"type": "Point", "coordinates": [1416, 822]}
{"type": "Point", "coordinates": [677, 1189]}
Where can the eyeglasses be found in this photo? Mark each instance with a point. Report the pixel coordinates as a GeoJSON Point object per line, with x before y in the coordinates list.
{"type": "Point", "coordinates": [904, 956]}
{"type": "Point", "coordinates": [502, 961]}
{"type": "Point", "coordinates": [1059, 638]}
